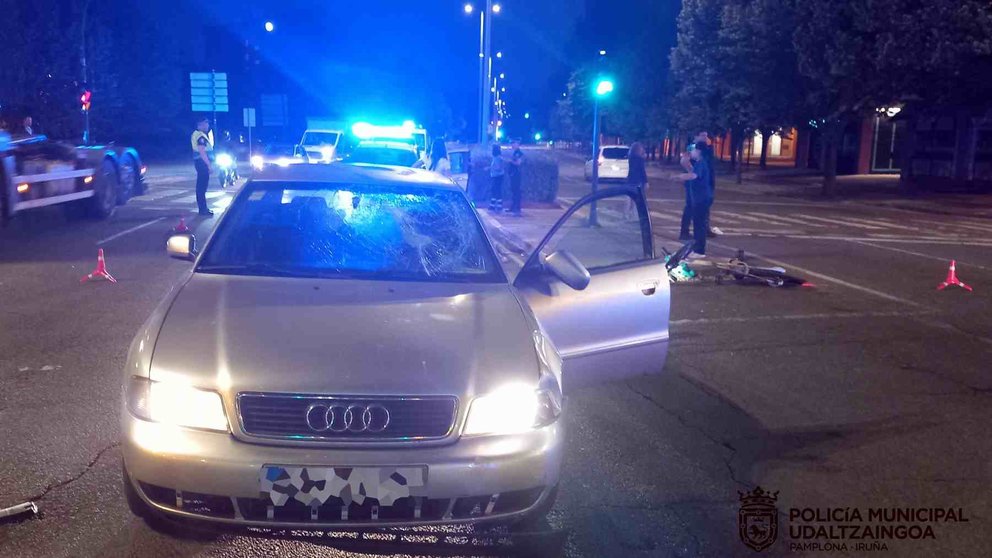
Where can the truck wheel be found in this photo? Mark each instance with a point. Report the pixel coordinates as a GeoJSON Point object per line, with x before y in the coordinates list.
{"type": "Point", "coordinates": [128, 171]}
{"type": "Point", "coordinates": [105, 188]}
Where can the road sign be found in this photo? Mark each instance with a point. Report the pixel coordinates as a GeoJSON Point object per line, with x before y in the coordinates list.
{"type": "Point", "coordinates": [208, 91]}
{"type": "Point", "coordinates": [249, 117]}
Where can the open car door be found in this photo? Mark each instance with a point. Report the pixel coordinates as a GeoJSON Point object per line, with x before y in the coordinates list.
{"type": "Point", "coordinates": [599, 292]}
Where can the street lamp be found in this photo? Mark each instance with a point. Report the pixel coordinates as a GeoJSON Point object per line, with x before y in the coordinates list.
{"type": "Point", "coordinates": [485, 63]}
{"type": "Point", "coordinates": [499, 54]}
{"type": "Point", "coordinates": [604, 86]}
{"type": "Point", "coordinates": [526, 116]}
{"type": "Point", "coordinates": [269, 26]}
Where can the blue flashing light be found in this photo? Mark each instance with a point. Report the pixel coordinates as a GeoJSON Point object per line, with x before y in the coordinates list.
{"type": "Point", "coordinates": [364, 130]}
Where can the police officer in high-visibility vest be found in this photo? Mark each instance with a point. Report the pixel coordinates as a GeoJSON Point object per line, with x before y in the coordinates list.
{"type": "Point", "coordinates": [202, 142]}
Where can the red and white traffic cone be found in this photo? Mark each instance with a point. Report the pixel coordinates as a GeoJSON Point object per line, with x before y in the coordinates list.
{"type": "Point", "coordinates": [952, 279]}
{"type": "Point", "coordinates": [101, 270]}
{"type": "Point", "coordinates": [181, 227]}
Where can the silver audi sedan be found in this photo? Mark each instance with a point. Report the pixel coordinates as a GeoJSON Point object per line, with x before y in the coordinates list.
{"type": "Point", "coordinates": [347, 350]}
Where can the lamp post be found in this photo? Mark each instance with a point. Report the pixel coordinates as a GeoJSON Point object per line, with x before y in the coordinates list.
{"type": "Point", "coordinates": [604, 86]}
{"type": "Point", "coordinates": [485, 64]}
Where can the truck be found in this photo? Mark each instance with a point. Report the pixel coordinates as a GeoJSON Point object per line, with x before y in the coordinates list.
{"type": "Point", "coordinates": [91, 180]}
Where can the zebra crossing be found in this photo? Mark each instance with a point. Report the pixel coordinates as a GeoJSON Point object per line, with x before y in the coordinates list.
{"type": "Point", "coordinates": [177, 199]}
{"type": "Point", "coordinates": [813, 221]}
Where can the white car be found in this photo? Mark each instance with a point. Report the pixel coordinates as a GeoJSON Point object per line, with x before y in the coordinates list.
{"type": "Point", "coordinates": [613, 164]}
{"type": "Point", "coordinates": [321, 146]}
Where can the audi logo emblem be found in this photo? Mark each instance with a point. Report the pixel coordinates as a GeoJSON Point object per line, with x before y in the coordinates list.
{"type": "Point", "coordinates": [339, 418]}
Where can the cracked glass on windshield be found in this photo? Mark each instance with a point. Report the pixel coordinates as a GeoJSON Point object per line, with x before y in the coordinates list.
{"type": "Point", "coordinates": [352, 231]}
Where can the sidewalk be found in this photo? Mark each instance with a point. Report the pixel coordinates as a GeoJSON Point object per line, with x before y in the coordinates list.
{"type": "Point", "coordinates": [519, 235]}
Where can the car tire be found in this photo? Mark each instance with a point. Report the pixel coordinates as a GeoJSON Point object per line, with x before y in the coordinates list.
{"type": "Point", "coordinates": [128, 173]}
{"type": "Point", "coordinates": [105, 190]}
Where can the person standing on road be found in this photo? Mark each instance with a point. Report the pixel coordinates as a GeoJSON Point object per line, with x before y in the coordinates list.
{"type": "Point", "coordinates": [202, 141]}
{"type": "Point", "coordinates": [497, 170]}
{"type": "Point", "coordinates": [439, 158]}
{"type": "Point", "coordinates": [701, 140]}
{"type": "Point", "coordinates": [637, 178]}
{"type": "Point", "coordinates": [516, 160]}
{"type": "Point", "coordinates": [699, 190]}
{"type": "Point", "coordinates": [28, 125]}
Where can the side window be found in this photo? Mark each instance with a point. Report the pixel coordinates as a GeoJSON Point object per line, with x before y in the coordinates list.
{"type": "Point", "coordinates": [617, 239]}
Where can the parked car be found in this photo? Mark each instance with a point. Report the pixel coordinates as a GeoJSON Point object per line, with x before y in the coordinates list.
{"type": "Point", "coordinates": [348, 351]}
{"type": "Point", "coordinates": [613, 163]}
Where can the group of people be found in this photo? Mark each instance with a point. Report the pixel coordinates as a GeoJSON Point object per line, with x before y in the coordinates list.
{"type": "Point", "coordinates": [499, 169]}
{"type": "Point", "coordinates": [700, 183]}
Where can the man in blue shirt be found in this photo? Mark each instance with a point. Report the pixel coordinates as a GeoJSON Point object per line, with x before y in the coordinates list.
{"type": "Point", "coordinates": [699, 192]}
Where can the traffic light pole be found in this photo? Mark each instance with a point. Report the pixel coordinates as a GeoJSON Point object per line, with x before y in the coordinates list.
{"type": "Point", "coordinates": [86, 127]}
{"type": "Point", "coordinates": [593, 217]}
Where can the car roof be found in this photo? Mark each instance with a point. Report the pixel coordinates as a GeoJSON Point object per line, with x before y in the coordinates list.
{"type": "Point", "coordinates": [614, 147]}
{"type": "Point", "coordinates": [355, 173]}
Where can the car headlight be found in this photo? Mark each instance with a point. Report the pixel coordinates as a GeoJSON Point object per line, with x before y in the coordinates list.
{"type": "Point", "coordinates": [512, 409]}
{"type": "Point", "coordinates": [224, 160]}
{"type": "Point", "coordinates": [257, 161]}
{"type": "Point", "coordinates": [175, 403]}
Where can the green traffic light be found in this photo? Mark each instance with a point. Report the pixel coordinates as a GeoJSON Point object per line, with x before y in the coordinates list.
{"type": "Point", "coordinates": [604, 87]}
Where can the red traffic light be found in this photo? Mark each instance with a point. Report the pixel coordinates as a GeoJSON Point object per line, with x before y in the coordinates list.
{"type": "Point", "coordinates": [84, 100]}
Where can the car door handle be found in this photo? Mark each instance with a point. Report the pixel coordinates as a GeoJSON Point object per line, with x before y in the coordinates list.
{"type": "Point", "coordinates": [648, 288]}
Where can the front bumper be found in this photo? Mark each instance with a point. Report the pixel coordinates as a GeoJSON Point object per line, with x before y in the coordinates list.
{"type": "Point", "coordinates": [215, 477]}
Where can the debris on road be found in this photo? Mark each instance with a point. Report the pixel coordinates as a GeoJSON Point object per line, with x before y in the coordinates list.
{"type": "Point", "coordinates": [19, 509]}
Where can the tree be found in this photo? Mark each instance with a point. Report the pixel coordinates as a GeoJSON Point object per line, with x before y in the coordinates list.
{"type": "Point", "coordinates": [863, 54]}
{"type": "Point", "coordinates": [695, 77]}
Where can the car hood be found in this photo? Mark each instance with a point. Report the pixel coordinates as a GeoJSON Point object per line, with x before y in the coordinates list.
{"type": "Point", "coordinates": [330, 336]}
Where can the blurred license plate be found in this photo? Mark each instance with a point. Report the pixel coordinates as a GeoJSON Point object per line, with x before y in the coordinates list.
{"type": "Point", "coordinates": [314, 486]}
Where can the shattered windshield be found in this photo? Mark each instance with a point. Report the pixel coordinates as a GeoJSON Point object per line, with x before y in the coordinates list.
{"type": "Point", "coordinates": [375, 232]}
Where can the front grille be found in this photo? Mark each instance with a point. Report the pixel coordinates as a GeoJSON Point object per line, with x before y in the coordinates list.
{"type": "Point", "coordinates": [335, 512]}
{"type": "Point", "coordinates": [285, 416]}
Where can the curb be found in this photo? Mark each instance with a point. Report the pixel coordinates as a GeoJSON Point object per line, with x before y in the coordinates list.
{"type": "Point", "coordinates": [505, 237]}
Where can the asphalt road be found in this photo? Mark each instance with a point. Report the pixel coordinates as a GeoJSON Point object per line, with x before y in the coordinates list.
{"type": "Point", "coordinates": [871, 390]}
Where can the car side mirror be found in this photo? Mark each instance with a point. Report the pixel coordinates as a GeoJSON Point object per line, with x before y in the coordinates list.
{"type": "Point", "coordinates": [567, 268]}
{"type": "Point", "coordinates": [181, 246]}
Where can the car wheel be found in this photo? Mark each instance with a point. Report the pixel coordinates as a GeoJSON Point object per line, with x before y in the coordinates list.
{"type": "Point", "coordinates": [105, 188]}
{"type": "Point", "coordinates": [128, 171]}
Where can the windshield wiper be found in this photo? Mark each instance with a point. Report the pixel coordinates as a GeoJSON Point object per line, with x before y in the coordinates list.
{"type": "Point", "coordinates": [250, 269]}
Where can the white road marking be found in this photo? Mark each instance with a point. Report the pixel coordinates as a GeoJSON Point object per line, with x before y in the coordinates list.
{"type": "Point", "coordinates": [963, 241]}
{"type": "Point", "coordinates": [129, 231]}
{"type": "Point", "coordinates": [817, 316]}
{"type": "Point", "coordinates": [839, 222]}
{"type": "Point", "coordinates": [825, 277]}
{"type": "Point", "coordinates": [787, 220]}
{"type": "Point", "coordinates": [744, 217]}
{"type": "Point", "coordinates": [920, 254]}
{"type": "Point", "coordinates": [666, 217]}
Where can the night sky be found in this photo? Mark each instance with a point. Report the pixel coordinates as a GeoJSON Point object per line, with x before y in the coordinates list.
{"type": "Point", "coordinates": [388, 59]}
